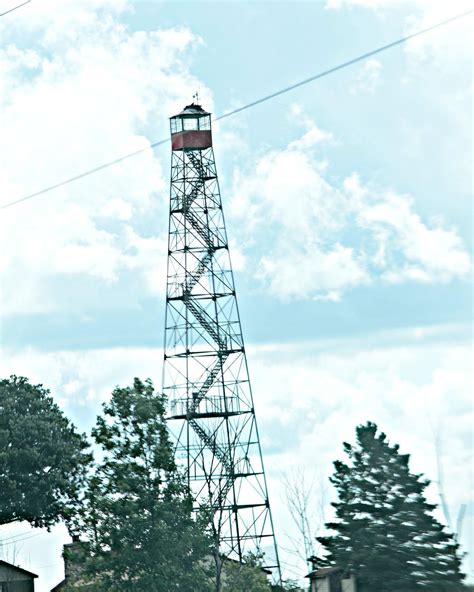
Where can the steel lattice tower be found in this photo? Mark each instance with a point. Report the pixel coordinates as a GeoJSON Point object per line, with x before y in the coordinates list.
{"type": "Point", "coordinates": [205, 373]}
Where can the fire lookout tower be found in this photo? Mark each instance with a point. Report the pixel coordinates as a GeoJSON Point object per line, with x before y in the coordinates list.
{"type": "Point", "coordinates": [205, 373]}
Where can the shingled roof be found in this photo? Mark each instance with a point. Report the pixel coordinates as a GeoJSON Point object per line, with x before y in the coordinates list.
{"type": "Point", "coordinates": [18, 569]}
{"type": "Point", "coordinates": [324, 571]}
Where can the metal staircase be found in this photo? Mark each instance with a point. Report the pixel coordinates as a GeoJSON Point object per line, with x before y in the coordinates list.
{"type": "Point", "coordinates": [202, 392]}
{"type": "Point", "coordinates": [205, 375]}
{"type": "Point", "coordinates": [205, 321]}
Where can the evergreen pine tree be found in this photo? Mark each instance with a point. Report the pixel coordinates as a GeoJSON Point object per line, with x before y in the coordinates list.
{"type": "Point", "coordinates": [385, 529]}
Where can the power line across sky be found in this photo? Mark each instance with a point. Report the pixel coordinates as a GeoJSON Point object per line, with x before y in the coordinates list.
{"type": "Point", "coordinates": [14, 8]}
{"type": "Point", "coordinates": [254, 103]}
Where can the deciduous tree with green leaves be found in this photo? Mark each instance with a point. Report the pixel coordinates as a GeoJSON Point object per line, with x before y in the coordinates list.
{"type": "Point", "coordinates": [385, 530]}
{"type": "Point", "coordinates": [243, 577]}
{"type": "Point", "coordinates": [138, 524]}
{"type": "Point", "coordinates": [43, 459]}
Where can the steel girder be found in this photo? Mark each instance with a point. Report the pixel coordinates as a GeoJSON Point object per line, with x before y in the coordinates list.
{"type": "Point", "coordinates": [205, 373]}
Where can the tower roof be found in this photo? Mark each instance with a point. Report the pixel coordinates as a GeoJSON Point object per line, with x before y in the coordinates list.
{"type": "Point", "coordinates": [192, 111]}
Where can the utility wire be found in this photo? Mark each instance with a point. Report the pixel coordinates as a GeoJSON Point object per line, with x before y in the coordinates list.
{"type": "Point", "coordinates": [31, 536]}
{"type": "Point", "coordinates": [15, 536]}
{"type": "Point", "coordinates": [346, 64]}
{"type": "Point", "coordinates": [244, 107]}
{"type": "Point", "coordinates": [14, 8]}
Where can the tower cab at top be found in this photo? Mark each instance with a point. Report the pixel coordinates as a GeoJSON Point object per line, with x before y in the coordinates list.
{"type": "Point", "coordinates": [191, 129]}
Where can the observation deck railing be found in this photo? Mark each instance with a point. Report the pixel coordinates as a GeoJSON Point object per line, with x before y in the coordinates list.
{"type": "Point", "coordinates": [209, 406]}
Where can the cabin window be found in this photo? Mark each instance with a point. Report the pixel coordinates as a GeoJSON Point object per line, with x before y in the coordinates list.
{"type": "Point", "coordinates": [176, 125]}
{"type": "Point", "coordinates": [190, 123]}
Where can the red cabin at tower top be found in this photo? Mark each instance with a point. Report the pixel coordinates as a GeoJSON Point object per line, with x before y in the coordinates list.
{"type": "Point", "coordinates": [191, 129]}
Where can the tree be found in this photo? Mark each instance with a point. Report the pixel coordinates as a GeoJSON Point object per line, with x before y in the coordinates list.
{"type": "Point", "coordinates": [298, 497]}
{"type": "Point", "coordinates": [303, 497]}
{"type": "Point", "coordinates": [43, 460]}
{"type": "Point", "coordinates": [138, 518]}
{"type": "Point", "coordinates": [385, 530]}
{"type": "Point", "coordinates": [288, 586]}
{"type": "Point", "coordinates": [243, 577]}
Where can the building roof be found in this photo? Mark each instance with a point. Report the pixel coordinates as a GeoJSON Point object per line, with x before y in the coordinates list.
{"type": "Point", "coordinates": [324, 571]}
{"type": "Point", "coordinates": [18, 569]}
{"type": "Point", "coordinates": [191, 111]}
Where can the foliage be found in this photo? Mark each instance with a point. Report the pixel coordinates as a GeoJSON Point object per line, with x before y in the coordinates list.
{"type": "Point", "coordinates": [288, 586]}
{"type": "Point", "coordinates": [43, 459]}
{"type": "Point", "coordinates": [137, 519]}
{"type": "Point", "coordinates": [242, 577]}
{"type": "Point", "coordinates": [385, 530]}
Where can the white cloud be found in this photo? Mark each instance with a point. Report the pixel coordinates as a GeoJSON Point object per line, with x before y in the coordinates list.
{"type": "Point", "coordinates": [83, 379]}
{"type": "Point", "coordinates": [301, 272]}
{"type": "Point", "coordinates": [415, 384]}
{"type": "Point", "coordinates": [451, 42]}
{"type": "Point", "coordinates": [314, 238]}
{"type": "Point", "coordinates": [368, 77]}
{"type": "Point", "coordinates": [425, 5]}
{"type": "Point", "coordinates": [84, 92]}
{"type": "Point", "coordinates": [285, 204]}
{"type": "Point", "coordinates": [417, 66]}
{"type": "Point", "coordinates": [428, 254]}
{"type": "Point", "coordinates": [309, 402]}
{"type": "Point", "coordinates": [313, 135]}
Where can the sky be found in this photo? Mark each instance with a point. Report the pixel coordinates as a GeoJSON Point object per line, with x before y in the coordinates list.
{"type": "Point", "coordinates": [348, 209]}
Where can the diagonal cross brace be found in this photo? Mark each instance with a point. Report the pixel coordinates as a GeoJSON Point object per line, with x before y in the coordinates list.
{"type": "Point", "coordinates": [197, 227]}
{"type": "Point", "coordinates": [189, 284]}
{"type": "Point", "coordinates": [189, 199]}
{"type": "Point", "coordinates": [210, 326]}
{"type": "Point", "coordinates": [205, 321]}
{"type": "Point", "coordinates": [219, 453]}
{"type": "Point", "coordinates": [202, 392]}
